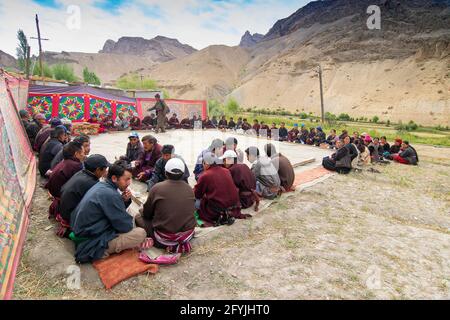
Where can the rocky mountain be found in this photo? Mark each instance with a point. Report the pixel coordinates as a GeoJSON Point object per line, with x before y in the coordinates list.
{"type": "Point", "coordinates": [7, 61]}
{"type": "Point", "coordinates": [159, 49]}
{"type": "Point", "coordinates": [249, 40]}
{"type": "Point", "coordinates": [400, 72]}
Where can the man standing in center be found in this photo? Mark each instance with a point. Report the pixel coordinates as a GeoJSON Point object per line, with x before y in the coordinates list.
{"type": "Point", "coordinates": [162, 110]}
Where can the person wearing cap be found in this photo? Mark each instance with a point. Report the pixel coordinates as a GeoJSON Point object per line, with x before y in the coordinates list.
{"type": "Point", "coordinates": [216, 147]}
{"type": "Point", "coordinates": [319, 137]}
{"type": "Point", "coordinates": [232, 144]}
{"type": "Point", "coordinates": [283, 165]}
{"type": "Point", "coordinates": [243, 179]}
{"type": "Point", "coordinates": [159, 174]}
{"type": "Point", "coordinates": [135, 148]}
{"type": "Point", "coordinates": [293, 133]}
{"type": "Point", "coordinates": [145, 164]}
{"type": "Point", "coordinates": [84, 140]}
{"type": "Point", "coordinates": [268, 184]}
{"type": "Point", "coordinates": [51, 148]}
{"type": "Point", "coordinates": [173, 122]}
{"type": "Point", "coordinates": [283, 134]}
{"type": "Point", "coordinates": [72, 163]}
{"type": "Point", "coordinates": [216, 195]}
{"type": "Point", "coordinates": [44, 134]}
{"type": "Point", "coordinates": [168, 214]}
{"type": "Point", "coordinates": [135, 122]}
{"type": "Point", "coordinates": [161, 110]}
{"type": "Point", "coordinates": [395, 148]}
{"type": "Point", "coordinates": [73, 191]}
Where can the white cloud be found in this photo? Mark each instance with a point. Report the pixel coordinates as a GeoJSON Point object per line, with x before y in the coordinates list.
{"type": "Point", "coordinates": [198, 23]}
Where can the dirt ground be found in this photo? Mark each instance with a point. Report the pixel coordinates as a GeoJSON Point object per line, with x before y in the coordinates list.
{"type": "Point", "coordinates": [363, 236]}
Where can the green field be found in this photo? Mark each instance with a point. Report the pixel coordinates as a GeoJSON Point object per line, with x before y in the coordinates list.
{"type": "Point", "coordinates": [423, 135]}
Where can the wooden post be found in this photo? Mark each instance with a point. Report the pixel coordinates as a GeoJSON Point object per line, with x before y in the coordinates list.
{"type": "Point", "coordinates": [40, 47]}
{"type": "Point", "coordinates": [27, 63]}
{"type": "Point", "coordinates": [322, 109]}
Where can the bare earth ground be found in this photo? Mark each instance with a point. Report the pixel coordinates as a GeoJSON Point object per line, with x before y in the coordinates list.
{"type": "Point", "coordinates": [363, 236]}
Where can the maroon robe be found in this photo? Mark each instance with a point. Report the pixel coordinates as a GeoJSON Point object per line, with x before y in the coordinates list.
{"type": "Point", "coordinates": [186, 124]}
{"type": "Point", "coordinates": [223, 124]}
{"type": "Point", "coordinates": [256, 127]}
{"type": "Point", "coordinates": [245, 181]}
{"type": "Point", "coordinates": [246, 126]}
{"type": "Point", "coordinates": [60, 175]}
{"type": "Point", "coordinates": [293, 134]}
{"type": "Point", "coordinates": [146, 162]}
{"type": "Point", "coordinates": [215, 188]}
{"type": "Point", "coordinates": [135, 123]}
{"type": "Point", "coordinates": [174, 123]}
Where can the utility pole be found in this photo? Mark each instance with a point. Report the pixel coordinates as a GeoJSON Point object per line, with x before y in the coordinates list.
{"type": "Point", "coordinates": [322, 109]}
{"type": "Point", "coordinates": [27, 62]}
{"type": "Point", "coordinates": [40, 46]}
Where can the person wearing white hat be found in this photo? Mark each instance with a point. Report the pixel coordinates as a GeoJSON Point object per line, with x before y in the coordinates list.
{"type": "Point", "coordinates": [168, 214]}
{"type": "Point", "coordinates": [243, 178]}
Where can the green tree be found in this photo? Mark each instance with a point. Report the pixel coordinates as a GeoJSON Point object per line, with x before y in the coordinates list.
{"type": "Point", "coordinates": [90, 77]}
{"type": "Point", "coordinates": [375, 119]}
{"type": "Point", "coordinates": [344, 117]}
{"type": "Point", "coordinates": [232, 106]}
{"type": "Point", "coordinates": [21, 50]}
{"type": "Point", "coordinates": [64, 72]}
{"type": "Point", "coordinates": [135, 82]}
{"type": "Point", "coordinates": [48, 73]}
{"type": "Point", "coordinates": [215, 108]}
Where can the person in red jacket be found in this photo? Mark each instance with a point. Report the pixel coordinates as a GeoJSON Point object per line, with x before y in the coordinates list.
{"type": "Point", "coordinates": [145, 164]}
{"type": "Point", "coordinates": [217, 197]}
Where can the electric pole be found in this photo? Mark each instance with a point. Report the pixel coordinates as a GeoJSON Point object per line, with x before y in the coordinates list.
{"type": "Point", "coordinates": [322, 109]}
{"type": "Point", "coordinates": [27, 62]}
{"type": "Point", "coordinates": [40, 46]}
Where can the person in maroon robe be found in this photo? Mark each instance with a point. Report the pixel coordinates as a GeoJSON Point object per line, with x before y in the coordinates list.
{"type": "Point", "coordinates": [223, 123]}
{"type": "Point", "coordinates": [173, 122]}
{"type": "Point", "coordinates": [243, 178]}
{"type": "Point", "coordinates": [145, 164]}
{"type": "Point", "coordinates": [293, 133]}
{"type": "Point", "coordinates": [149, 122]}
{"type": "Point", "coordinates": [107, 122]}
{"type": "Point", "coordinates": [186, 124]}
{"type": "Point", "coordinates": [245, 125]}
{"type": "Point", "coordinates": [135, 122]}
{"type": "Point", "coordinates": [256, 126]}
{"type": "Point", "coordinates": [73, 153]}
{"type": "Point", "coordinates": [207, 124]}
{"type": "Point", "coordinates": [265, 130]}
{"type": "Point", "coordinates": [217, 197]}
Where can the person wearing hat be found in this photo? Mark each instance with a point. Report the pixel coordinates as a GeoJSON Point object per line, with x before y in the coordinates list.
{"type": "Point", "coordinates": [216, 147]}
{"type": "Point", "coordinates": [44, 134]}
{"type": "Point", "coordinates": [217, 196]}
{"type": "Point", "coordinates": [25, 118]}
{"type": "Point", "coordinates": [293, 133]}
{"type": "Point", "coordinates": [135, 122]}
{"type": "Point", "coordinates": [161, 110]}
{"type": "Point", "coordinates": [268, 184]}
{"type": "Point", "coordinates": [95, 167]}
{"type": "Point", "coordinates": [407, 155]}
{"type": "Point", "coordinates": [72, 163]}
{"type": "Point", "coordinates": [395, 148]}
{"type": "Point", "coordinates": [135, 148]}
{"type": "Point", "coordinates": [159, 174]}
{"type": "Point", "coordinates": [243, 179]}
{"type": "Point", "coordinates": [232, 144]}
{"type": "Point", "coordinates": [51, 148]}
{"type": "Point", "coordinates": [283, 165]}
{"type": "Point", "coordinates": [319, 137]}
{"type": "Point", "coordinates": [34, 127]}
{"type": "Point", "coordinates": [100, 224]}
{"type": "Point", "coordinates": [145, 164]}
{"type": "Point", "coordinates": [168, 214]}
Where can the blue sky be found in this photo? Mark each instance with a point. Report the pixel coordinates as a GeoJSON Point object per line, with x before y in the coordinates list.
{"type": "Point", "coordinates": [85, 25]}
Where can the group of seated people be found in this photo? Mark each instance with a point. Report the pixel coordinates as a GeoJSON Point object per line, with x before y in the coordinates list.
{"type": "Point", "coordinates": [93, 214]}
{"type": "Point", "coordinates": [355, 151]}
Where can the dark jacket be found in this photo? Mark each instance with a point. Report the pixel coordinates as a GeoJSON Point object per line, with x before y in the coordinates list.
{"type": "Point", "coordinates": [283, 133]}
{"type": "Point", "coordinates": [410, 155]}
{"type": "Point", "coordinates": [245, 181]}
{"type": "Point", "coordinates": [48, 153]}
{"type": "Point", "coordinates": [134, 152]}
{"type": "Point", "coordinates": [41, 137]}
{"type": "Point", "coordinates": [57, 159]}
{"type": "Point", "coordinates": [74, 190]}
{"type": "Point", "coordinates": [32, 129]}
{"type": "Point", "coordinates": [159, 174]}
{"type": "Point", "coordinates": [343, 158]}
{"type": "Point", "coordinates": [100, 217]}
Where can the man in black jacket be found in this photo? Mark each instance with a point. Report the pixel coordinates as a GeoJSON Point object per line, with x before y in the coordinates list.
{"type": "Point", "coordinates": [95, 167]}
